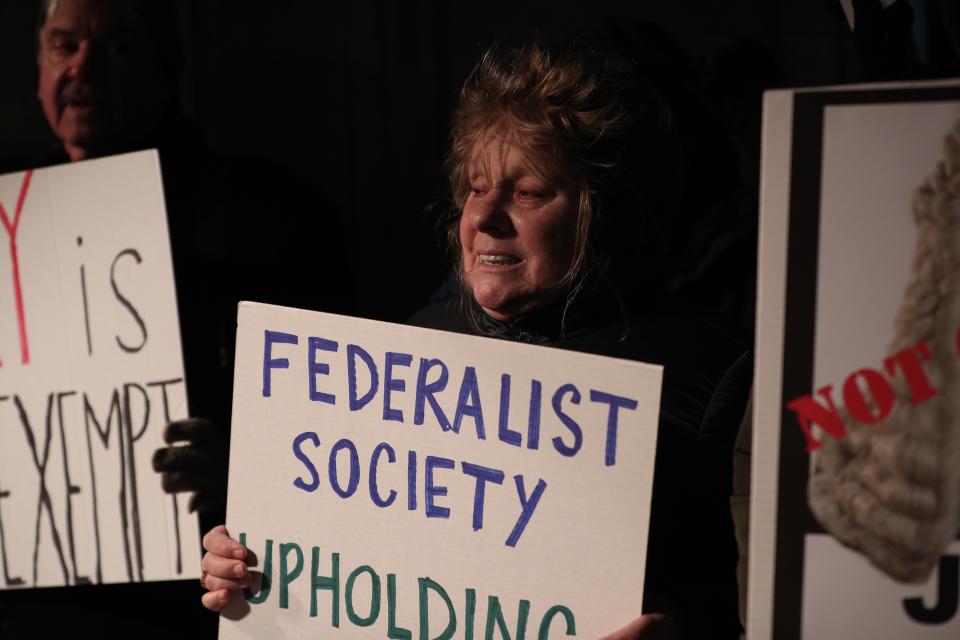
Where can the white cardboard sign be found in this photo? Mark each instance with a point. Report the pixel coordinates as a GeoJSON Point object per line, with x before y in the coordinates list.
{"type": "Point", "coordinates": [90, 372]}
{"type": "Point", "coordinates": [402, 482]}
{"type": "Point", "coordinates": [842, 167]}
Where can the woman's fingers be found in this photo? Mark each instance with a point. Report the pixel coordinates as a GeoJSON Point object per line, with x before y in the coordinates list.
{"type": "Point", "coordinates": [218, 542]}
{"type": "Point", "coordinates": [215, 600]}
{"type": "Point", "coordinates": [215, 583]}
{"type": "Point", "coordinates": [652, 626]}
{"type": "Point", "coordinates": [223, 567]}
{"type": "Point", "coordinates": [226, 568]}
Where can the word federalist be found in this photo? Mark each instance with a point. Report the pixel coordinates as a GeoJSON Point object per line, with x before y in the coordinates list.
{"type": "Point", "coordinates": [433, 379]}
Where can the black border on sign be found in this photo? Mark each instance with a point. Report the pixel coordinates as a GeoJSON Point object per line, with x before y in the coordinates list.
{"type": "Point", "coordinates": [794, 518]}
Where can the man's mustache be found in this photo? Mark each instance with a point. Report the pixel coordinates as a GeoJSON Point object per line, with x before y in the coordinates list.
{"type": "Point", "coordinates": [79, 91]}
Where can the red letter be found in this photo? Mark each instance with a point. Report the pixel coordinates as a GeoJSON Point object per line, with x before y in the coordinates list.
{"type": "Point", "coordinates": [913, 373]}
{"type": "Point", "coordinates": [828, 419]}
{"type": "Point", "coordinates": [11, 228]}
{"type": "Point", "coordinates": [856, 403]}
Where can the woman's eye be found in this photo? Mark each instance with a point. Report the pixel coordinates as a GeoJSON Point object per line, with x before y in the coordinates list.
{"type": "Point", "coordinates": [477, 191]}
{"type": "Point", "coordinates": [528, 194]}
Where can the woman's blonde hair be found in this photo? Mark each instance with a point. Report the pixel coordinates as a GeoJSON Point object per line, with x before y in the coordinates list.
{"type": "Point", "coordinates": [573, 112]}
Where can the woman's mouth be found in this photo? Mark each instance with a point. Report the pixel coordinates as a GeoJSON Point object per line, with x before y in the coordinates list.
{"type": "Point", "coordinates": [497, 260]}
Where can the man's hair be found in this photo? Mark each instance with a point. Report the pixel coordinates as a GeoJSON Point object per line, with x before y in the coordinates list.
{"type": "Point", "coordinates": [158, 19]}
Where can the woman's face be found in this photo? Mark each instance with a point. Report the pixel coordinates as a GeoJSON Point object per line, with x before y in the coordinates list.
{"type": "Point", "coordinates": [517, 231]}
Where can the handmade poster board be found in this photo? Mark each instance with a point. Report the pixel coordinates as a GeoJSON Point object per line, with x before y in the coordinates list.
{"type": "Point", "coordinates": [90, 372]}
{"type": "Point", "coordinates": [402, 482]}
{"type": "Point", "coordinates": [856, 474]}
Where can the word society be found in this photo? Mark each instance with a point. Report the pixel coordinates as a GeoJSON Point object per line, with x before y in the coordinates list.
{"type": "Point", "coordinates": [447, 399]}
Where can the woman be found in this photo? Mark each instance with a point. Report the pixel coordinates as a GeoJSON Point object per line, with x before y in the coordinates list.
{"type": "Point", "coordinates": [559, 163]}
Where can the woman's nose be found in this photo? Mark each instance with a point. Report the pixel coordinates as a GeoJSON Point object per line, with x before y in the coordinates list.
{"type": "Point", "coordinates": [489, 214]}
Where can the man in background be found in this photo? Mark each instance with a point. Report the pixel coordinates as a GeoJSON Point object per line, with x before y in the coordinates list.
{"type": "Point", "coordinates": [239, 230]}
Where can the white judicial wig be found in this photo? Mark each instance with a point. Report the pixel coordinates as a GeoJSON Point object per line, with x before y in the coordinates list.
{"type": "Point", "coordinates": [402, 482]}
{"type": "Point", "coordinates": [855, 371]}
{"type": "Point", "coordinates": [90, 372]}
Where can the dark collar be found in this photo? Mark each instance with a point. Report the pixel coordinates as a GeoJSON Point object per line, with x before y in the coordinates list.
{"type": "Point", "coordinates": [560, 321]}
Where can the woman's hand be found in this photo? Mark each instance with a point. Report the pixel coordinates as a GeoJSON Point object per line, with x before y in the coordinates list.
{"type": "Point", "coordinates": [653, 626]}
{"type": "Point", "coordinates": [224, 569]}
{"type": "Point", "coordinates": [196, 461]}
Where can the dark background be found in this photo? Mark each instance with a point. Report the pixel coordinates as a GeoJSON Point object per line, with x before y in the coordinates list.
{"type": "Point", "coordinates": [354, 97]}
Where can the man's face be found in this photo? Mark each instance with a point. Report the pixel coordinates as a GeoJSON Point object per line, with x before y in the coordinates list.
{"type": "Point", "coordinates": [101, 83]}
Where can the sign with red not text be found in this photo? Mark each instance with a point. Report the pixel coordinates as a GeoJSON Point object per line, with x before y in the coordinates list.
{"type": "Point", "coordinates": [401, 482]}
{"type": "Point", "coordinates": [855, 509]}
{"type": "Point", "coordinates": [90, 372]}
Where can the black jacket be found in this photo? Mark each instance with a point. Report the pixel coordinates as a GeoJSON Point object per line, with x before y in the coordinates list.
{"type": "Point", "coordinates": [692, 552]}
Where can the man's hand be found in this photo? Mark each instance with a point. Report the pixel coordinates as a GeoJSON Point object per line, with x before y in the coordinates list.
{"type": "Point", "coordinates": [196, 461]}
